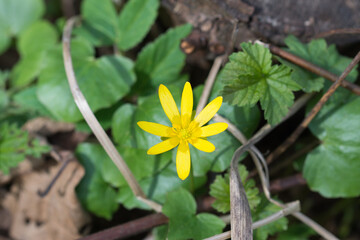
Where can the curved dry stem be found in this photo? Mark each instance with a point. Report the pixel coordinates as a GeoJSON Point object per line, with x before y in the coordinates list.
{"type": "Point", "coordinates": [94, 123]}
{"type": "Point", "coordinates": [262, 169]}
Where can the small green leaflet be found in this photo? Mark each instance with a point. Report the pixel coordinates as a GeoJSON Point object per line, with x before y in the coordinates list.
{"type": "Point", "coordinates": [184, 223]}
{"type": "Point", "coordinates": [15, 145]}
{"type": "Point", "coordinates": [220, 190]}
{"type": "Point", "coordinates": [103, 26]}
{"type": "Point", "coordinates": [318, 53]}
{"type": "Point", "coordinates": [333, 168]}
{"type": "Point", "coordinates": [16, 16]}
{"type": "Point", "coordinates": [263, 210]}
{"type": "Point", "coordinates": [249, 77]}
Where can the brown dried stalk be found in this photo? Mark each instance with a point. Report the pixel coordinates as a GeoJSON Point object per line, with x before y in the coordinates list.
{"type": "Point", "coordinates": [94, 123]}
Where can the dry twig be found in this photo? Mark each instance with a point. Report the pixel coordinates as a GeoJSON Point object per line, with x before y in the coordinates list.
{"type": "Point", "coordinates": [313, 68]}
{"type": "Point", "coordinates": [292, 138]}
{"type": "Point", "coordinates": [94, 123]}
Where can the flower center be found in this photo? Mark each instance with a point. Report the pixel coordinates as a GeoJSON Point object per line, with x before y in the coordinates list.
{"type": "Point", "coordinates": [184, 134]}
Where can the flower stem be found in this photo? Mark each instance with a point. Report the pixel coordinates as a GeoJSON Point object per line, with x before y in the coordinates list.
{"type": "Point", "coordinates": [192, 184]}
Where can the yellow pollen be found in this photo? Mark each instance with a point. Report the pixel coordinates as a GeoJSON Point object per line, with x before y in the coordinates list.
{"type": "Point", "coordinates": [184, 134]}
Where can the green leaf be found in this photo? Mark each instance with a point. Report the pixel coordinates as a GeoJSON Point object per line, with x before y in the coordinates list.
{"type": "Point", "coordinates": [103, 81]}
{"type": "Point", "coordinates": [264, 210]}
{"type": "Point", "coordinates": [157, 186]}
{"type": "Point", "coordinates": [296, 232]}
{"type": "Point", "coordinates": [249, 78]}
{"type": "Point", "coordinates": [160, 62]}
{"type": "Point", "coordinates": [332, 169]}
{"type": "Point", "coordinates": [3, 78]}
{"type": "Point", "coordinates": [28, 100]}
{"type": "Point", "coordinates": [15, 145]}
{"type": "Point", "coordinates": [100, 21]}
{"type": "Point", "coordinates": [32, 46]}
{"type": "Point", "coordinates": [93, 191]}
{"type": "Point", "coordinates": [135, 21]}
{"type": "Point", "coordinates": [180, 208]}
{"type": "Point", "coordinates": [220, 190]}
{"type": "Point", "coordinates": [318, 53]}
{"type": "Point", "coordinates": [104, 116]}
{"type": "Point", "coordinates": [160, 233]}
{"type": "Point", "coordinates": [104, 27]}
{"type": "Point", "coordinates": [16, 16]}
{"type": "Point", "coordinates": [4, 99]}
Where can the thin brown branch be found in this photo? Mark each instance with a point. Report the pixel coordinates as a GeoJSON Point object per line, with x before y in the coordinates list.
{"type": "Point", "coordinates": [131, 228]}
{"type": "Point", "coordinates": [289, 159]}
{"type": "Point", "coordinates": [283, 184]}
{"type": "Point", "coordinates": [337, 32]}
{"type": "Point", "coordinates": [68, 158]}
{"type": "Point", "coordinates": [292, 138]}
{"type": "Point", "coordinates": [313, 68]}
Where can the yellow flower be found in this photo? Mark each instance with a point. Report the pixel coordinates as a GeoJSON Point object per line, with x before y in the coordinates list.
{"type": "Point", "coordinates": [184, 130]}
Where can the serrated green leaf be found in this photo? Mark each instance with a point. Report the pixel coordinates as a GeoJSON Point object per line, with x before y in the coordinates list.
{"type": "Point", "coordinates": [94, 193]}
{"type": "Point", "coordinates": [15, 145]}
{"type": "Point", "coordinates": [102, 25]}
{"type": "Point", "coordinates": [32, 46]}
{"type": "Point", "coordinates": [318, 53]}
{"type": "Point", "coordinates": [161, 61]}
{"type": "Point", "coordinates": [245, 118]}
{"type": "Point", "coordinates": [220, 190]}
{"type": "Point", "coordinates": [103, 81]}
{"type": "Point", "coordinates": [16, 16]}
{"type": "Point", "coordinates": [265, 209]}
{"type": "Point", "coordinates": [135, 21]}
{"type": "Point", "coordinates": [180, 208]}
{"type": "Point", "coordinates": [332, 169]}
{"type": "Point", "coordinates": [249, 78]}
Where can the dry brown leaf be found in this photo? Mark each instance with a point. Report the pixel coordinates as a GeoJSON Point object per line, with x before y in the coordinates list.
{"type": "Point", "coordinates": [28, 165]}
{"type": "Point", "coordinates": [45, 126]}
{"type": "Point", "coordinates": [58, 215]}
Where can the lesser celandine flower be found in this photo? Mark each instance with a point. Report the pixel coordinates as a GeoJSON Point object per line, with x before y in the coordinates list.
{"type": "Point", "coordinates": [184, 130]}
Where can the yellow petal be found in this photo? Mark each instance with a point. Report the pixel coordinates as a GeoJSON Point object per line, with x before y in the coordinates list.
{"type": "Point", "coordinates": [186, 105]}
{"type": "Point", "coordinates": [169, 105]}
{"type": "Point", "coordinates": [209, 111]}
{"type": "Point", "coordinates": [155, 128]}
{"type": "Point", "coordinates": [203, 145]}
{"type": "Point", "coordinates": [211, 129]}
{"type": "Point", "coordinates": [183, 162]}
{"type": "Point", "coordinates": [163, 146]}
